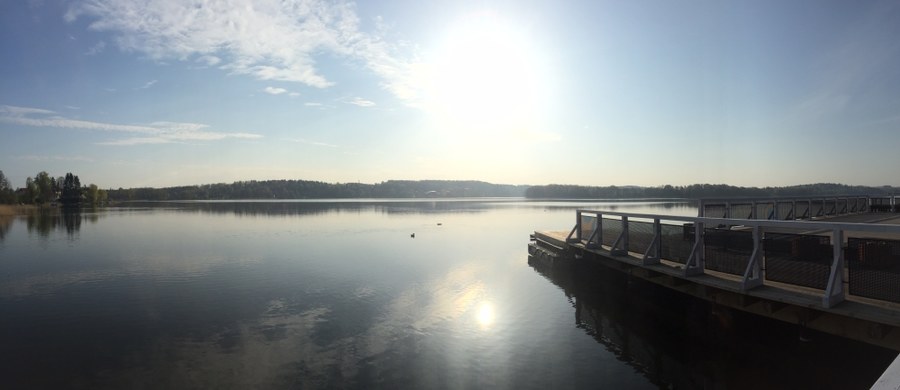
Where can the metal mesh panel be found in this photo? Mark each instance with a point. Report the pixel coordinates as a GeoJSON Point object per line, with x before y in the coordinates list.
{"type": "Point", "coordinates": [874, 268]}
{"type": "Point", "coordinates": [799, 259]}
{"type": "Point", "coordinates": [802, 210]}
{"type": "Point", "coordinates": [612, 228]}
{"type": "Point", "coordinates": [640, 235]}
{"type": "Point", "coordinates": [588, 222]}
{"type": "Point", "coordinates": [741, 210]}
{"type": "Point", "coordinates": [677, 242]}
{"type": "Point", "coordinates": [817, 208]}
{"type": "Point", "coordinates": [860, 205]}
{"type": "Point", "coordinates": [784, 211]}
{"type": "Point", "coordinates": [714, 211]}
{"type": "Point", "coordinates": [765, 211]}
{"type": "Point", "coordinates": [830, 207]}
{"type": "Point", "coordinates": [843, 206]}
{"type": "Point", "coordinates": [727, 250]}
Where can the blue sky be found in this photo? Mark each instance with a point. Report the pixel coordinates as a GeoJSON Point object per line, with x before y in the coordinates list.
{"type": "Point", "coordinates": [162, 93]}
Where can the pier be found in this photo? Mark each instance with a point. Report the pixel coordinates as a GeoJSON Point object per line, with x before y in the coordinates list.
{"type": "Point", "coordinates": [828, 264]}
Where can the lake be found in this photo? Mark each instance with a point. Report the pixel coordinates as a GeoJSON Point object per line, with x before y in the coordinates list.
{"type": "Point", "coordinates": [340, 294]}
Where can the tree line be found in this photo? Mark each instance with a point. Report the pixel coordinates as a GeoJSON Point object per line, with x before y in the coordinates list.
{"type": "Point", "coordinates": [305, 189]}
{"type": "Point", "coordinates": [44, 188]}
{"type": "Point", "coordinates": [698, 191]}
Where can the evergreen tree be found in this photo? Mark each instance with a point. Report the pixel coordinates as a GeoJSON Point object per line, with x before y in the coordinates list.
{"type": "Point", "coordinates": [71, 189]}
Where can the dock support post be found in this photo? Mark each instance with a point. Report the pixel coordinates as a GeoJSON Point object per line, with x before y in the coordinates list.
{"type": "Point", "coordinates": [753, 276]}
{"type": "Point", "coordinates": [695, 262]}
{"type": "Point", "coordinates": [835, 292]}
{"type": "Point", "coordinates": [654, 252]}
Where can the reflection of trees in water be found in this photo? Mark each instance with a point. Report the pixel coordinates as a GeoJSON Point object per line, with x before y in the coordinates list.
{"type": "Point", "coordinates": [43, 221]}
{"type": "Point", "coordinates": [6, 222]}
{"type": "Point", "coordinates": [678, 341]}
{"type": "Point", "coordinates": [317, 208]}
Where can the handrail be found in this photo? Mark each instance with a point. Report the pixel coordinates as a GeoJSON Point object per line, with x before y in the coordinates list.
{"type": "Point", "coordinates": [798, 207]}
{"type": "Point", "coordinates": [754, 274]}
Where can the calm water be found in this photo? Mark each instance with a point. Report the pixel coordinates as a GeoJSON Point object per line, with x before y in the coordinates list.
{"type": "Point", "coordinates": [339, 295]}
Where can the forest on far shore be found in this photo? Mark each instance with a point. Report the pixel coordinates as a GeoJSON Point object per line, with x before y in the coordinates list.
{"type": "Point", "coordinates": [43, 188]}
{"type": "Point", "coordinates": [302, 189]}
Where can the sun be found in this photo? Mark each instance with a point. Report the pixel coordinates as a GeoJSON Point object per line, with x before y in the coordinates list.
{"type": "Point", "coordinates": [484, 76]}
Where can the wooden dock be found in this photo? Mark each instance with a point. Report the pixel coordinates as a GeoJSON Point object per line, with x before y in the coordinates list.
{"type": "Point", "coordinates": [859, 318]}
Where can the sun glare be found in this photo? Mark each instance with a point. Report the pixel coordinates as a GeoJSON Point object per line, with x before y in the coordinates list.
{"type": "Point", "coordinates": [483, 77]}
{"type": "Point", "coordinates": [485, 315]}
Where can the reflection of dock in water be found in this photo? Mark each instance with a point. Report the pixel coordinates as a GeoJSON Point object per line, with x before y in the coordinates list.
{"type": "Point", "coordinates": [678, 341]}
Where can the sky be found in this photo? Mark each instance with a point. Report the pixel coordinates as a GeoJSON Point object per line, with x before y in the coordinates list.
{"type": "Point", "coordinates": [158, 93]}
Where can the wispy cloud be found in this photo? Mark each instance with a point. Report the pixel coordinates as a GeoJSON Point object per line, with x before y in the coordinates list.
{"type": "Point", "coordinates": [361, 102]}
{"type": "Point", "coordinates": [274, 91]}
{"type": "Point", "coordinates": [314, 143]}
{"type": "Point", "coordinates": [151, 133]}
{"type": "Point", "coordinates": [148, 84]}
{"type": "Point", "coordinates": [209, 60]}
{"type": "Point", "coordinates": [266, 39]}
{"type": "Point", "coordinates": [41, 158]}
{"type": "Point", "coordinates": [96, 49]}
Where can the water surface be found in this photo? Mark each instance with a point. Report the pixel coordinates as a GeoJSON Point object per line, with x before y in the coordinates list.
{"type": "Point", "coordinates": [328, 294]}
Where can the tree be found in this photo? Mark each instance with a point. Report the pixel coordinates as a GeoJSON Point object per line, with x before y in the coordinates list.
{"type": "Point", "coordinates": [71, 190]}
{"type": "Point", "coordinates": [92, 194]}
{"type": "Point", "coordinates": [31, 190]}
{"type": "Point", "coordinates": [7, 194]}
{"type": "Point", "coordinates": [44, 184]}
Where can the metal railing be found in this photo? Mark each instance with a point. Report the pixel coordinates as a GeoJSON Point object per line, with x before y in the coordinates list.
{"type": "Point", "coordinates": [793, 251]}
{"type": "Point", "coordinates": [793, 208]}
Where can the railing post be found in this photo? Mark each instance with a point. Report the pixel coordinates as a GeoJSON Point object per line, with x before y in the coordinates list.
{"type": "Point", "coordinates": [575, 234]}
{"type": "Point", "coordinates": [695, 262]}
{"type": "Point", "coordinates": [594, 241]}
{"type": "Point", "coordinates": [654, 252]}
{"type": "Point", "coordinates": [835, 292]}
{"type": "Point", "coordinates": [620, 246]}
{"type": "Point", "coordinates": [753, 275]}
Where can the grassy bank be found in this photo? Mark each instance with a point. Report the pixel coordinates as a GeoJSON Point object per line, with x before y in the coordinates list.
{"type": "Point", "coordinates": [10, 210]}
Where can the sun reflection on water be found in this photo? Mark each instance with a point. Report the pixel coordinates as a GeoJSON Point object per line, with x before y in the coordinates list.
{"type": "Point", "coordinates": [485, 315]}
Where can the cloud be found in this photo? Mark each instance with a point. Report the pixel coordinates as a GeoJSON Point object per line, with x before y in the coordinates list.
{"type": "Point", "coordinates": [40, 158]}
{"type": "Point", "coordinates": [148, 84]}
{"type": "Point", "coordinates": [152, 133]}
{"type": "Point", "coordinates": [13, 111]}
{"type": "Point", "coordinates": [209, 60]}
{"type": "Point", "coordinates": [266, 39]}
{"type": "Point", "coordinates": [314, 143]}
{"type": "Point", "coordinates": [312, 104]}
{"type": "Point", "coordinates": [274, 91]}
{"type": "Point", "coordinates": [294, 94]}
{"type": "Point", "coordinates": [96, 49]}
{"type": "Point", "coordinates": [361, 102]}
